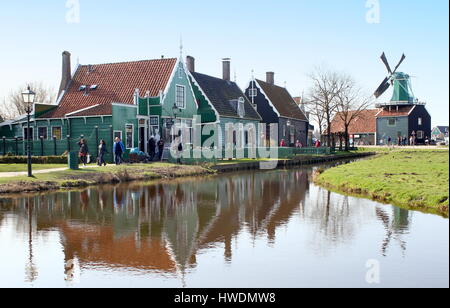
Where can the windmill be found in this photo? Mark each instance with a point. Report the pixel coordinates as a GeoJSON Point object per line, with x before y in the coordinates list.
{"type": "Point", "coordinates": [403, 93]}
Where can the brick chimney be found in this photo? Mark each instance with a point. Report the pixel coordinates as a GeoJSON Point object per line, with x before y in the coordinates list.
{"type": "Point", "coordinates": [190, 63]}
{"type": "Point", "coordinates": [66, 72]}
{"type": "Point", "coordinates": [270, 78]}
{"type": "Point", "coordinates": [226, 64]}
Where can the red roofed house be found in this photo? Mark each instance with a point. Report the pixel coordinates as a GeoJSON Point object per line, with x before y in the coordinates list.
{"type": "Point", "coordinates": [362, 129]}
{"type": "Point", "coordinates": [105, 101]}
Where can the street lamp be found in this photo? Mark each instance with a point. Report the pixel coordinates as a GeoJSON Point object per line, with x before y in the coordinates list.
{"type": "Point", "coordinates": [175, 110]}
{"type": "Point", "coordinates": [28, 97]}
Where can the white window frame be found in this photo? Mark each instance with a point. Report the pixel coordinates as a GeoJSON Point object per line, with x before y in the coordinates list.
{"type": "Point", "coordinates": [180, 72]}
{"type": "Point", "coordinates": [46, 132]}
{"type": "Point", "coordinates": [132, 136]}
{"type": "Point", "coordinates": [150, 120]}
{"type": "Point", "coordinates": [23, 132]}
{"type": "Point", "coordinates": [60, 127]}
{"type": "Point", "coordinates": [392, 125]}
{"type": "Point", "coordinates": [420, 121]}
{"type": "Point", "coordinates": [253, 92]}
{"type": "Point", "coordinates": [420, 134]}
{"type": "Point", "coordinates": [178, 86]}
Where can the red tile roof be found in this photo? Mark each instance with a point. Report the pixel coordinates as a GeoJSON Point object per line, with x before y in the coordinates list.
{"type": "Point", "coordinates": [116, 84]}
{"type": "Point", "coordinates": [402, 111]}
{"type": "Point", "coordinates": [364, 123]}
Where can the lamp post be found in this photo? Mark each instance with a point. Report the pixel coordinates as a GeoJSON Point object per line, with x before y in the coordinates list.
{"type": "Point", "coordinates": [28, 97]}
{"type": "Point", "coordinates": [175, 111]}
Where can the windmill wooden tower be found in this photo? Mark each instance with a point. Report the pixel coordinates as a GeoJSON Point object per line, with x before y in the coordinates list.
{"type": "Point", "coordinates": [404, 116]}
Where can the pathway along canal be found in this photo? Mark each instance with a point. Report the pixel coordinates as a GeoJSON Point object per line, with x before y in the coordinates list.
{"type": "Point", "coordinates": [252, 229]}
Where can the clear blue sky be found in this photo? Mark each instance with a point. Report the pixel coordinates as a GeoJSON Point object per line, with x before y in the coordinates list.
{"type": "Point", "coordinates": [288, 37]}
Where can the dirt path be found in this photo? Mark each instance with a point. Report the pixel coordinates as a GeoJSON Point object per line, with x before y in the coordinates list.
{"type": "Point", "coordinates": [24, 173]}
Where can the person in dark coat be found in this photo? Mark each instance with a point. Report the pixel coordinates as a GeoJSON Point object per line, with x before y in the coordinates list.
{"type": "Point", "coordinates": [160, 149]}
{"type": "Point", "coordinates": [101, 153]}
{"type": "Point", "coordinates": [84, 151]}
{"type": "Point", "coordinates": [118, 149]}
{"type": "Point", "coordinates": [152, 148]}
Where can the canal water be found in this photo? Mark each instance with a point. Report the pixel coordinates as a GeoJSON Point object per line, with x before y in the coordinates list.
{"type": "Point", "coordinates": [252, 229]}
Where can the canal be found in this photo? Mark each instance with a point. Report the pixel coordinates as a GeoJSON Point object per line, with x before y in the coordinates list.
{"type": "Point", "coordinates": [252, 229]}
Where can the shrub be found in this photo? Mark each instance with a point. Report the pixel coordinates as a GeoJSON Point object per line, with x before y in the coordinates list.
{"type": "Point", "coordinates": [35, 160]}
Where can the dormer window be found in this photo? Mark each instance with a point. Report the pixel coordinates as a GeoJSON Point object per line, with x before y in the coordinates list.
{"type": "Point", "coordinates": [238, 106]}
{"type": "Point", "coordinates": [94, 87]}
{"type": "Point", "coordinates": [82, 88]}
{"type": "Point", "coordinates": [241, 107]}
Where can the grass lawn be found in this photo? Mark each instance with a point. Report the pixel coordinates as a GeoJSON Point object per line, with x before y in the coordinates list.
{"type": "Point", "coordinates": [413, 179]}
{"type": "Point", "coordinates": [98, 175]}
{"type": "Point", "coordinates": [23, 167]}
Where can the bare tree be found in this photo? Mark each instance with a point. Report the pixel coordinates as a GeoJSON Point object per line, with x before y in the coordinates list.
{"type": "Point", "coordinates": [351, 102]}
{"type": "Point", "coordinates": [323, 95]}
{"type": "Point", "coordinates": [44, 95]}
{"type": "Point", "coordinates": [317, 115]}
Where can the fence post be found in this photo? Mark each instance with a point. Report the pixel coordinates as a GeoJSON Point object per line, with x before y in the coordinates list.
{"type": "Point", "coordinates": [4, 146]}
{"type": "Point", "coordinates": [68, 143]}
{"type": "Point", "coordinates": [42, 145]}
{"type": "Point", "coordinates": [96, 141]}
{"type": "Point", "coordinates": [54, 145]}
{"type": "Point", "coordinates": [17, 145]}
{"type": "Point", "coordinates": [111, 134]}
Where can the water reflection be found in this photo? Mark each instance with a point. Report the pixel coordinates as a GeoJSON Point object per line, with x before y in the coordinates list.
{"type": "Point", "coordinates": [163, 228]}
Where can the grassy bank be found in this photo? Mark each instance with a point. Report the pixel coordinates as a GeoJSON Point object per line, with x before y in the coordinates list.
{"type": "Point", "coordinates": [95, 176]}
{"type": "Point", "coordinates": [23, 167]}
{"type": "Point", "coordinates": [412, 179]}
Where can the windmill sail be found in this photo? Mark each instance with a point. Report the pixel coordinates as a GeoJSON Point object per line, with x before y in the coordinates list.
{"type": "Point", "coordinates": [385, 61]}
{"type": "Point", "coordinates": [401, 61]}
{"type": "Point", "coordinates": [382, 88]}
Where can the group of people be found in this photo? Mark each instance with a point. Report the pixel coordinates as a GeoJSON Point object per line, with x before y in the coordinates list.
{"type": "Point", "coordinates": [297, 144]}
{"type": "Point", "coordinates": [118, 150]}
{"type": "Point", "coordinates": [404, 141]}
{"type": "Point", "coordinates": [156, 147]}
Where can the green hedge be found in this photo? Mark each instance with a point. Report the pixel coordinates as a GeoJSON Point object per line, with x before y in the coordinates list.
{"type": "Point", "coordinates": [35, 159]}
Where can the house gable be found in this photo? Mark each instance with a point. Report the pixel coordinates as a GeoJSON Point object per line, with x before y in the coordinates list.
{"type": "Point", "coordinates": [178, 80]}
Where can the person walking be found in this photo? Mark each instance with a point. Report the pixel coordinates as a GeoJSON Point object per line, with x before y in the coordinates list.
{"type": "Point", "coordinates": [160, 149]}
{"type": "Point", "coordinates": [282, 143]}
{"type": "Point", "coordinates": [157, 139]}
{"type": "Point", "coordinates": [101, 153]}
{"type": "Point", "coordinates": [152, 147]}
{"type": "Point", "coordinates": [84, 152]}
{"type": "Point", "coordinates": [179, 151]}
{"type": "Point", "coordinates": [118, 150]}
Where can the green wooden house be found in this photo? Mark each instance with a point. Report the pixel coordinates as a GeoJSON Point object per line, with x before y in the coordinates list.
{"type": "Point", "coordinates": [228, 106]}
{"type": "Point", "coordinates": [130, 100]}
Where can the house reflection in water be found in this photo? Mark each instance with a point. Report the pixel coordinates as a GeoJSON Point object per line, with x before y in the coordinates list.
{"type": "Point", "coordinates": [163, 227]}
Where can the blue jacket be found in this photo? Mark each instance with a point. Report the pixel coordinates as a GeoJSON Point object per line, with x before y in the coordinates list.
{"type": "Point", "coordinates": [118, 151]}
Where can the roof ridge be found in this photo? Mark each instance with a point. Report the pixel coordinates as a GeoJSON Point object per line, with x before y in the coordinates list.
{"type": "Point", "coordinates": [129, 62]}
{"type": "Point", "coordinates": [213, 77]}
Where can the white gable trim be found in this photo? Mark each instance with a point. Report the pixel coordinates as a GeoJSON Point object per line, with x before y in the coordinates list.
{"type": "Point", "coordinates": [204, 95]}
{"type": "Point", "coordinates": [81, 110]}
{"type": "Point", "coordinates": [267, 97]}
